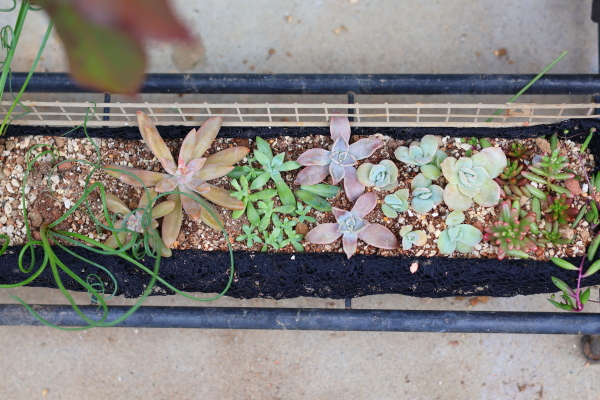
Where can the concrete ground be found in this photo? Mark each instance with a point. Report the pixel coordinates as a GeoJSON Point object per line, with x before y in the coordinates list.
{"type": "Point", "coordinates": [342, 36]}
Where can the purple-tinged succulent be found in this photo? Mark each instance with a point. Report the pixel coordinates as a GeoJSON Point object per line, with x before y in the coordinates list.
{"type": "Point", "coordinates": [511, 233]}
{"type": "Point", "coordinates": [340, 161]}
{"type": "Point", "coordinates": [352, 226]}
{"type": "Point", "coordinates": [190, 173]}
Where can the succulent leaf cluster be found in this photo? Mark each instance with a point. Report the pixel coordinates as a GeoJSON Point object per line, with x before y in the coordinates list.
{"type": "Point", "coordinates": [340, 161]}
{"type": "Point", "coordinates": [560, 209]}
{"type": "Point", "coordinates": [472, 179]}
{"type": "Point", "coordinates": [188, 176]}
{"type": "Point", "coordinates": [519, 152]}
{"type": "Point", "coordinates": [273, 167]}
{"type": "Point", "coordinates": [351, 226]}
{"type": "Point", "coordinates": [458, 236]}
{"type": "Point", "coordinates": [512, 233]}
{"type": "Point", "coordinates": [548, 170]}
{"type": "Point", "coordinates": [516, 185]}
{"type": "Point", "coordinates": [425, 154]}
{"type": "Point", "coordinates": [410, 237]}
{"type": "Point", "coordinates": [138, 221]}
{"type": "Point", "coordinates": [383, 175]}
{"type": "Point", "coordinates": [425, 195]}
{"type": "Point", "coordinates": [395, 203]}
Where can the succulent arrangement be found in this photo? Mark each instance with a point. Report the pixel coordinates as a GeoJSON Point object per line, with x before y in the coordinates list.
{"type": "Point", "coordinates": [339, 162]}
{"type": "Point", "coordinates": [425, 195]}
{"type": "Point", "coordinates": [424, 154]}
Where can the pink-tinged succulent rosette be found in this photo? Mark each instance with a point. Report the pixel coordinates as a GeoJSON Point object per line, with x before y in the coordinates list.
{"type": "Point", "coordinates": [352, 226]}
{"type": "Point", "coordinates": [340, 162]}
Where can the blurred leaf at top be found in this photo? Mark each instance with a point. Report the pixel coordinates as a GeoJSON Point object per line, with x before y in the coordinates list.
{"type": "Point", "coordinates": [104, 39]}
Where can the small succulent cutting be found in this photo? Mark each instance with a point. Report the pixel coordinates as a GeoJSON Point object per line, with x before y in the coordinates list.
{"type": "Point", "coordinates": [424, 154]}
{"type": "Point", "coordinates": [410, 237]}
{"type": "Point", "coordinates": [458, 236]}
{"type": "Point", "coordinates": [472, 178]}
{"type": "Point", "coordinates": [340, 161]}
{"type": "Point", "coordinates": [244, 194]}
{"type": "Point", "coordinates": [383, 175]}
{"type": "Point", "coordinates": [560, 209]}
{"type": "Point", "coordinates": [425, 195]}
{"type": "Point", "coordinates": [547, 170]}
{"type": "Point", "coordinates": [512, 233]}
{"type": "Point", "coordinates": [519, 152]}
{"type": "Point", "coordinates": [352, 226]}
{"type": "Point", "coordinates": [137, 221]}
{"type": "Point", "coordinates": [516, 185]}
{"type": "Point", "coordinates": [395, 203]}
{"type": "Point", "coordinates": [189, 175]}
{"type": "Point", "coordinates": [273, 167]}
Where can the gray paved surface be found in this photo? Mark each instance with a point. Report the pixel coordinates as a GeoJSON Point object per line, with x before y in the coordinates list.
{"type": "Point", "coordinates": [325, 36]}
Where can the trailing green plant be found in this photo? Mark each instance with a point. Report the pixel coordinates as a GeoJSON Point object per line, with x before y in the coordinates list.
{"type": "Point", "coordinates": [395, 203]}
{"type": "Point", "coordinates": [273, 167]}
{"type": "Point", "coordinates": [424, 154]}
{"type": "Point", "coordinates": [188, 176]}
{"type": "Point", "coordinates": [340, 161]}
{"type": "Point", "coordinates": [9, 39]}
{"type": "Point", "coordinates": [458, 236]}
{"type": "Point", "coordinates": [512, 232]}
{"type": "Point", "coordinates": [412, 238]}
{"type": "Point", "coordinates": [352, 226]}
{"type": "Point", "coordinates": [573, 300]}
{"type": "Point", "coordinates": [425, 195]}
{"type": "Point", "coordinates": [472, 179]}
{"type": "Point", "coordinates": [383, 175]}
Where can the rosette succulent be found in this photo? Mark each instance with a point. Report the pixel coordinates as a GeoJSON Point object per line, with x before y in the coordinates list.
{"type": "Point", "coordinates": [340, 161]}
{"type": "Point", "coordinates": [189, 175]}
{"type": "Point", "coordinates": [395, 203]}
{"type": "Point", "coordinates": [410, 237]}
{"type": "Point", "coordinates": [560, 209]}
{"type": "Point", "coordinates": [383, 175]}
{"type": "Point", "coordinates": [547, 171]}
{"type": "Point", "coordinates": [425, 195]}
{"type": "Point", "coordinates": [512, 233]}
{"type": "Point", "coordinates": [472, 178]}
{"type": "Point", "coordinates": [352, 226]}
{"type": "Point", "coordinates": [137, 221]}
{"type": "Point", "coordinates": [458, 237]}
{"type": "Point", "coordinates": [423, 153]}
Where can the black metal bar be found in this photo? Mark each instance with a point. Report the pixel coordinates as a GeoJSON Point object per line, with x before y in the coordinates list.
{"type": "Point", "coordinates": [348, 304]}
{"type": "Point", "coordinates": [351, 101]}
{"type": "Point", "coordinates": [318, 319]}
{"type": "Point", "coordinates": [360, 84]}
{"type": "Point", "coordinates": [106, 109]}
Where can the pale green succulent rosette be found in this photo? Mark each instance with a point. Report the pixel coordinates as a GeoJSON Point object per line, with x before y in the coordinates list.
{"type": "Point", "coordinates": [424, 154]}
{"type": "Point", "coordinates": [410, 237]}
{"type": "Point", "coordinates": [462, 238]}
{"type": "Point", "coordinates": [472, 179]}
{"type": "Point", "coordinates": [425, 195]}
{"type": "Point", "coordinates": [383, 175]}
{"type": "Point", "coordinates": [395, 203]}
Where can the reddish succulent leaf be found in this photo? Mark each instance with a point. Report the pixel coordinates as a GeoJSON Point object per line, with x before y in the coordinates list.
{"type": "Point", "coordinates": [312, 175]}
{"type": "Point", "coordinates": [364, 205]}
{"type": "Point", "coordinates": [354, 189]}
{"type": "Point", "coordinates": [172, 222]}
{"type": "Point", "coordinates": [104, 39]}
{"type": "Point", "coordinates": [323, 234]}
{"type": "Point", "coordinates": [228, 156]}
{"type": "Point", "coordinates": [349, 243]}
{"type": "Point", "coordinates": [339, 126]}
